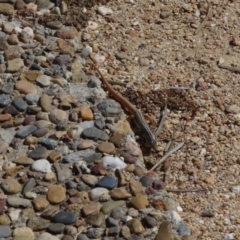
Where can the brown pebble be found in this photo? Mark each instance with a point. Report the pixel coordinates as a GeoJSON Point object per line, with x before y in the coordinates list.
{"type": "Point", "coordinates": [106, 147]}
{"type": "Point", "coordinates": [5, 117]}
{"type": "Point", "coordinates": [136, 187]}
{"type": "Point", "coordinates": [86, 114]}
{"type": "Point", "coordinates": [40, 204]}
{"type": "Point", "coordinates": [165, 231]}
{"type": "Point", "coordinates": [120, 193]}
{"type": "Point", "coordinates": [98, 169]}
{"type": "Point", "coordinates": [135, 226]}
{"type": "Point", "coordinates": [56, 194]}
{"type": "Point", "coordinates": [139, 202]}
{"type": "Point", "coordinates": [55, 156]}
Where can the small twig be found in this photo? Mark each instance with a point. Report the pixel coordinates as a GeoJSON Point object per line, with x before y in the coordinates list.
{"type": "Point", "coordinates": [167, 155]}
{"type": "Point", "coordinates": [113, 82]}
{"type": "Point", "coordinates": [232, 69]}
{"type": "Point", "coordinates": [187, 190]}
{"type": "Point", "coordinates": [165, 112]}
{"type": "Point", "coordinates": [204, 21]}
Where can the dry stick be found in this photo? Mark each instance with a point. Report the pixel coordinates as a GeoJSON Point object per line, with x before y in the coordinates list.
{"type": "Point", "coordinates": [232, 69]}
{"type": "Point", "coordinates": [167, 155]}
{"type": "Point", "coordinates": [165, 112]}
{"type": "Point", "coordinates": [204, 21]}
{"type": "Point", "coordinates": [187, 190]}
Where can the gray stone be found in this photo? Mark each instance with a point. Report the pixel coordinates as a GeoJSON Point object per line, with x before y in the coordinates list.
{"type": "Point", "coordinates": [19, 104]}
{"type": "Point", "coordinates": [109, 108]}
{"type": "Point", "coordinates": [28, 185]}
{"type": "Point", "coordinates": [78, 156]}
{"type": "Point", "coordinates": [37, 223]}
{"type": "Point", "coordinates": [4, 100]}
{"type": "Point", "coordinates": [26, 131]}
{"type": "Point", "coordinates": [18, 202]}
{"type": "Point", "coordinates": [5, 231]}
{"type": "Point", "coordinates": [63, 172]}
{"type": "Point", "coordinates": [94, 132]}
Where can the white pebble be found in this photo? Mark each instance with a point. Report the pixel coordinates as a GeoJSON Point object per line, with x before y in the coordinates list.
{"type": "Point", "coordinates": [96, 193]}
{"type": "Point", "coordinates": [104, 11]}
{"type": "Point", "coordinates": [92, 25]}
{"type": "Point", "coordinates": [18, 29]}
{"type": "Point", "coordinates": [179, 208]}
{"type": "Point", "coordinates": [41, 165]}
{"type": "Point", "coordinates": [114, 162]}
{"type": "Point", "coordinates": [29, 31]}
{"type": "Point", "coordinates": [30, 195]}
{"type": "Point", "coordinates": [14, 214]}
{"type": "Point", "coordinates": [236, 189]}
{"type": "Point", "coordinates": [99, 58]}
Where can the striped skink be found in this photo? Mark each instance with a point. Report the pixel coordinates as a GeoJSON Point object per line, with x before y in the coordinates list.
{"type": "Point", "coordinates": [146, 131]}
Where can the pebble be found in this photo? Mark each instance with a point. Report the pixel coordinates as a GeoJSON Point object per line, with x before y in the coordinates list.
{"type": "Point", "coordinates": [11, 186]}
{"type": "Point", "coordinates": [18, 202]}
{"type": "Point", "coordinates": [82, 237]}
{"type": "Point", "coordinates": [56, 194]}
{"type": "Point", "coordinates": [5, 231]}
{"type": "Point", "coordinates": [38, 153]}
{"type": "Point", "coordinates": [23, 232]}
{"type": "Point", "coordinates": [96, 220]}
{"type": "Point", "coordinates": [48, 143]}
{"type": "Point", "coordinates": [97, 192]}
{"type": "Point", "coordinates": [28, 185]}
{"type": "Point", "coordinates": [91, 208]}
{"type": "Point", "coordinates": [19, 104]}
{"type": "Point", "coordinates": [135, 226]}
{"type": "Point", "coordinates": [46, 103]}
{"type": "Point", "coordinates": [114, 162]}
{"type": "Point", "coordinates": [4, 100]}
{"type": "Point", "coordinates": [26, 161]}
{"type": "Point", "coordinates": [120, 193]}
{"type": "Point", "coordinates": [94, 132]}
{"type": "Point", "coordinates": [106, 147]}
{"type": "Point", "coordinates": [165, 231]}
{"type": "Point", "coordinates": [26, 131]}
{"type": "Point", "coordinates": [104, 10]}
{"type": "Point", "coordinates": [65, 218]}
{"type": "Point", "coordinates": [139, 202]}
{"type": "Point", "coordinates": [40, 204]}
{"type": "Point", "coordinates": [41, 165]}
{"type": "Point", "coordinates": [107, 182]}
{"type": "Point", "coordinates": [37, 223]}
{"type": "Point", "coordinates": [47, 236]}
{"type": "Point", "coordinates": [109, 206]}
{"type": "Point", "coordinates": [56, 228]}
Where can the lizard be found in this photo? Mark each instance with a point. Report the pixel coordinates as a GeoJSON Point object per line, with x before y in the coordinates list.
{"type": "Point", "coordinates": [146, 131]}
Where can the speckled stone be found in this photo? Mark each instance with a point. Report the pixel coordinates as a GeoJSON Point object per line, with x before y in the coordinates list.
{"type": "Point", "coordinates": [11, 186]}
{"type": "Point", "coordinates": [26, 131]}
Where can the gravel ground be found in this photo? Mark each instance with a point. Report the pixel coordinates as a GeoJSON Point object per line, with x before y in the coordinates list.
{"type": "Point", "coordinates": [167, 49]}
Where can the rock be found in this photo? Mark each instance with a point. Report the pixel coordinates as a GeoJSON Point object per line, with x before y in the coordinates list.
{"type": "Point", "coordinates": [58, 116]}
{"type": "Point", "coordinates": [78, 156]}
{"type": "Point", "coordinates": [107, 182]}
{"type": "Point", "coordinates": [25, 87]}
{"type": "Point", "coordinates": [84, 144]}
{"type": "Point", "coordinates": [94, 132]}
{"type": "Point", "coordinates": [96, 220]}
{"type": "Point", "coordinates": [20, 4]}
{"type": "Point", "coordinates": [11, 186]}
{"type": "Point", "coordinates": [104, 10]}
{"type": "Point", "coordinates": [63, 172]}
{"type": "Point", "coordinates": [54, 24]}
{"type": "Point", "coordinates": [114, 162]}
{"type": "Point", "coordinates": [26, 161]}
{"type": "Point", "coordinates": [65, 218]}
{"type": "Point", "coordinates": [109, 108]}
{"type": "Point", "coordinates": [19, 104]}
{"type": "Point", "coordinates": [46, 103]}
{"type": "Point", "coordinates": [119, 193]}
{"type": "Point", "coordinates": [37, 223]}
{"type": "Point", "coordinates": [2, 206]}
{"type": "Point", "coordinates": [95, 232]}
{"type": "Point", "coordinates": [86, 114]}
{"type": "Point", "coordinates": [47, 236]}
{"type": "Point", "coordinates": [26, 131]}
{"type": "Point", "coordinates": [165, 231]}
{"type": "Point", "coordinates": [106, 147]}
{"type": "Point", "coordinates": [96, 193]}
{"type": "Point", "coordinates": [40, 133]}
{"type": "Point", "coordinates": [4, 100]}
{"type": "Point", "coordinates": [44, 80]}
{"type": "Point", "coordinates": [38, 153]}
{"type": "Point", "coordinates": [111, 222]}
{"type": "Point", "coordinates": [32, 98]}
{"type": "Point", "coordinates": [66, 33]}
{"type": "Point", "coordinates": [109, 206]}
{"type": "Point", "coordinates": [18, 202]}
{"type": "Point", "coordinates": [139, 202]}
{"type": "Point", "coordinates": [55, 156]}
{"type": "Point", "coordinates": [146, 181]}
{"type": "Point", "coordinates": [4, 220]}
{"type": "Point", "coordinates": [63, 60]}
{"type": "Point", "coordinates": [15, 65]}
{"type": "Point", "coordinates": [28, 185]}
{"type": "Point", "coordinates": [56, 194]}
{"type": "Point", "coordinates": [56, 228]}
{"type": "Point", "coordinates": [136, 187]}
{"type": "Point", "coordinates": [5, 231]}
{"type": "Point", "coordinates": [40, 204]}
{"type": "Point", "coordinates": [82, 237]}
{"type": "Point", "coordinates": [41, 165]}
{"type": "Point", "coordinates": [5, 117]}
{"type": "Point", "coordinates": [6, 9]}
{"type": "Point", "coordinates": [135, 226]}
{"type": "Point", "coordinates": [23, 233]}
{"type": "Point", "coordinates": [91, 208]}
{"type": "Point", "coordinates": [3, 146]}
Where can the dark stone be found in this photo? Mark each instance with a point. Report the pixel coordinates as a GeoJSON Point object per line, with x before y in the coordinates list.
{"type": "Point", "coordinates": [28, 185]}
{"type": "Point", "coordinates": [149, 222]}
{"type": "Point", "coordinates": [11, 110]}
{"type": "Point", "coordinates": [111, 222]}
{"type": "Point", "coordinates": [65, 218]}
{"type": "Point", "coordinates": [38, 153]}
{"type": "Point", "coordinates": [56, 228]}
{"type": "Point", "coordinates": [82, 237]}
{"type": "Point", "coordinates": [107, 182]}
{"type": "Point", "coordinates": [146, 181]}
{"type": "Point", "coordinates": [19, 104]}
{"type": "Point", "coordinates": [29, 120]}
{"type": "Point", "coordinates": [207, 213]}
